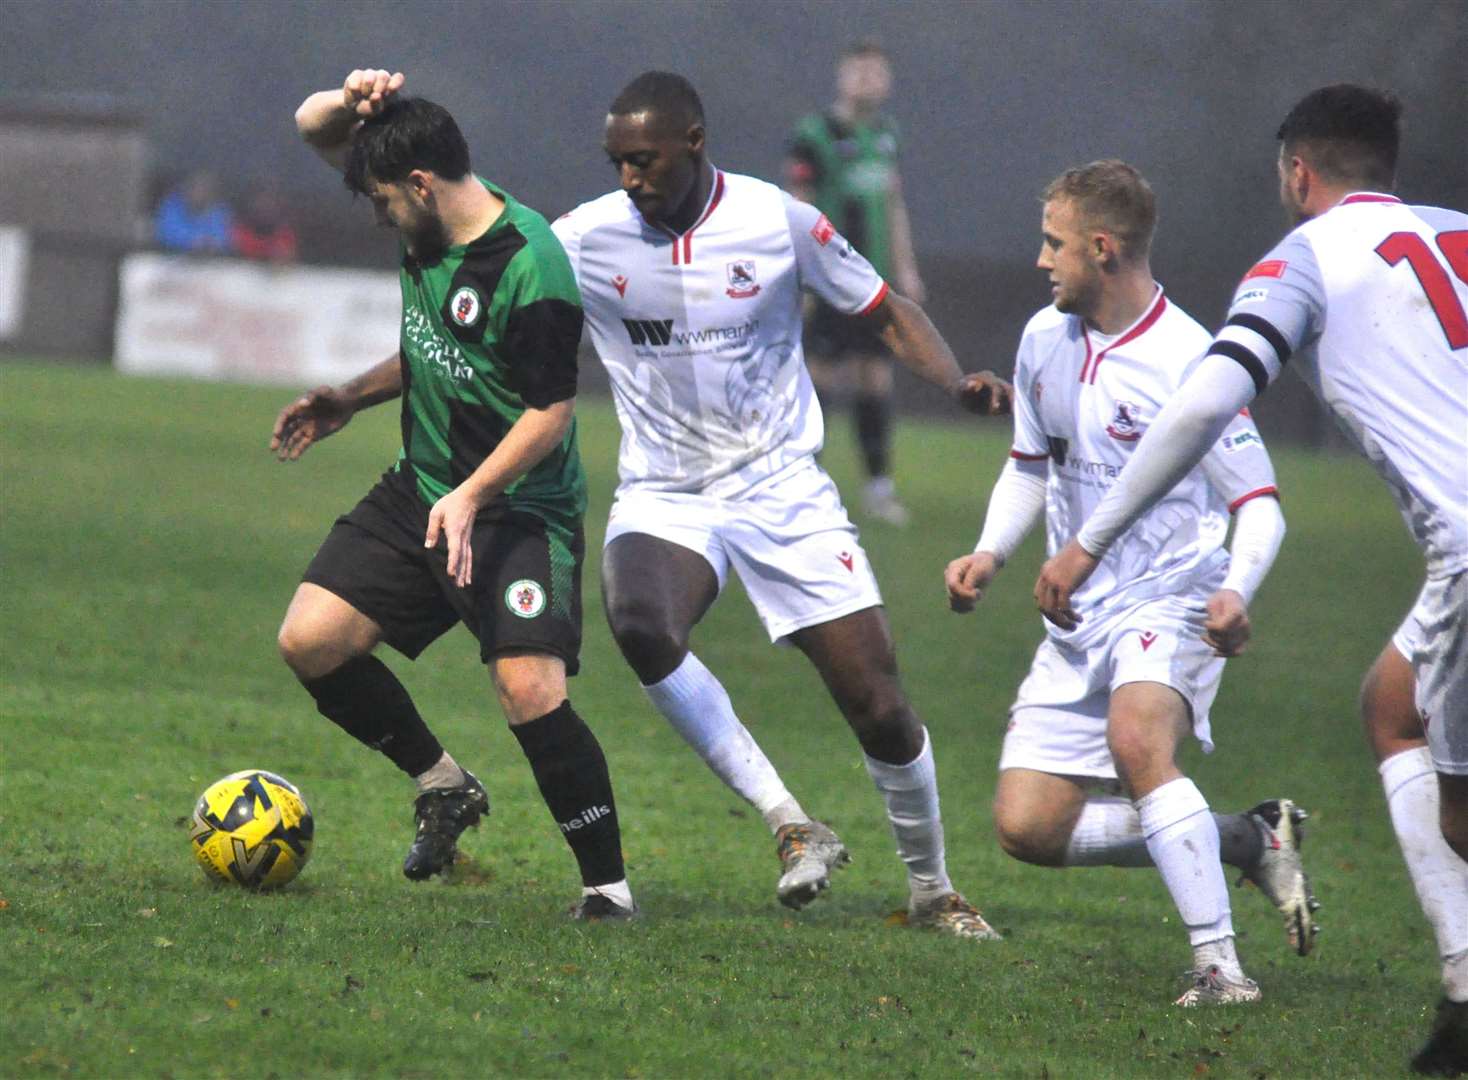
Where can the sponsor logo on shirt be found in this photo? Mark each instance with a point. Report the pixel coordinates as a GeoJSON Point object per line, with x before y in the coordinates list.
{"type": "Point", "coordinates": [649, 331]}
{"type": "Point", "coordinates": [425, 342]}
{"type": "Point", "coordinates": [620, 281]}
{"type": "Point", "coordinates": [465, 306]}
{"type": "Point", "coordinates": [1147, 638]}
{"type": "Point", "coordinates": [525, 598]}
{"type": "Point", "coordinates": [1268, 268]}
{"type": "Point", "coordinates": [823, 230]}
{"type": "Point", "coordinates": [1123, 425]}
{"type": "Point", "coordinates": [1232, 444]}
{"type": "Point", "coordinates": [1251, 296]}
{"type": "Point", "coordinates": [657, 332]}
{"type": "Point", "coordinates": [847, 560]}
{"type": "Point", "coordinates": [741, 279]}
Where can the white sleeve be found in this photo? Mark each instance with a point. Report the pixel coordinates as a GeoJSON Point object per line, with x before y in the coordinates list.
{"type": "Point", "coordinates": [1184, 431]}
{"type": "Point", "coordinates": [1238, 466]}
{"type": "Point", "coordinates": [1259, 529]}
{"type": "Point", "coordinates": [1015, 504]}
{"type": "Point", "coordinates": [827, 263]}
{"type": "Point", "coordinates": [1278, 307]}
{"type": "Point", "coordinates": [570, 237]}
{"type": "Point", "coordinates": [1030, 443]}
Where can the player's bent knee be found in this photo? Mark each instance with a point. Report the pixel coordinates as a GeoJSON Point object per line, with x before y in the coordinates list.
{"type": "Point", "coordinates": [1028, 840]}
{"type": "Point", "coordinates": [648, 643]}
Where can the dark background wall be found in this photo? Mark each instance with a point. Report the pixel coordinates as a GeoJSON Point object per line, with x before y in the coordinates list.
{"type": "Point", "coordinates": [994, 98]}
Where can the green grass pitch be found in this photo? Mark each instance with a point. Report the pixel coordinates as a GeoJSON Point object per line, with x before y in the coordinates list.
{"type": "Point", "coordinates": [150, 544]}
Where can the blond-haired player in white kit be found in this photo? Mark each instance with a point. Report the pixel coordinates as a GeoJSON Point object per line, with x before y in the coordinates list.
{"type": "Point", "coordinates": [1106, 702]}
{"type": "Point", "coordinates": [691, 279]}
{"type": "Point", "coordinates": [1368, 297]}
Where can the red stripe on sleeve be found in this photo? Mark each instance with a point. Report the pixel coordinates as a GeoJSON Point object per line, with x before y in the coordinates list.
{"type": "Point", "coordinates": [1021, 456]}
{"type": "Point", "coordinates": [1271, 490]}
{"type": "Point", "coordinates": [876, 300]}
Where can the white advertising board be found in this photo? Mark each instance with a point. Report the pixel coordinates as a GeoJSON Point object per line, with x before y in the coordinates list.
{"type": "Point", "coordinates": [253, 322]}
{"type": "Point", "coordinates": [14, 265]}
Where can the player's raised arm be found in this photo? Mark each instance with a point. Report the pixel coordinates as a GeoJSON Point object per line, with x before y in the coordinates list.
{"type": "Point", "coordinates": [327, 119]}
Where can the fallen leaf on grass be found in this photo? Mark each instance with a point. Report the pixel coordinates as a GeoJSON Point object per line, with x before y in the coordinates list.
{"type": "Point", "coordinates": [162, 943]}
{"type": "Point", "coordinates": [896, 918]}
{"type": "Point", "coordinates": [147, 912]}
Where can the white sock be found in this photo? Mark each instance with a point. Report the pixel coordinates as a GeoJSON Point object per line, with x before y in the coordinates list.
{"type": "Point", "coordinates": [1182, 838]}
{"type": "Point", "coordinates": [698, 707]}
{"type": "Point", "coordinates": [1108, 833]}
{"type": "Point", "coordinates": [1438, 874]}
{"type": "Point", "coordinates": [445, 773]}
{"type": "Point", "coordinates": [1219, 954]}
{"type": "Point", "coordinates": [619, 892]}
{"type": "Point", "coordinates": [911, 794]}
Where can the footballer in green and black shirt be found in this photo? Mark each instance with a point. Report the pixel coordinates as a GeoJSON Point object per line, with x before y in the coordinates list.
{"type": "Point", "coordinates": [479, 520]}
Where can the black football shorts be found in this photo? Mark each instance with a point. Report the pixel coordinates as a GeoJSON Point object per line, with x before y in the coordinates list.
{"type": "Point", "coordinates": [526, 592]}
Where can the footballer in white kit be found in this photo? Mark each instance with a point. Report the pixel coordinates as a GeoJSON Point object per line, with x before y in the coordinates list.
{"type": "Point", "coordinates": [1368, 298]}
{"type": "Point", "coordinates": [1108, 696]}
{"type": "Point", "coordinates": [692, 281]}
{"type": "Point", "coordinates": [1082, 401]}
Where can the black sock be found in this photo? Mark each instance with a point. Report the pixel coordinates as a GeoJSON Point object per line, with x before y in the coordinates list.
{"type": "Point", "coordinates": [1239, 841]}
{"type": "Point", "coordinates": [364, 698]}
{"type": "Point", "coordinates": [874, 432]}
{"type": "Point", "coordinates": [571, 772]}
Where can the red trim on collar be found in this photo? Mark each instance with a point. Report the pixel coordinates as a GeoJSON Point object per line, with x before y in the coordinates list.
{"type": "Point", "coordinates": [1367, 196]}
{"type": "Point", "coordinates": [1139, 328]}
{"type": "Point", "coordinates": [683, 242]}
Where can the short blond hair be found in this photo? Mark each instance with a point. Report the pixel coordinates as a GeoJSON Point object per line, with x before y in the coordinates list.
{"type": "Point", "coordinates": [1113, 196]}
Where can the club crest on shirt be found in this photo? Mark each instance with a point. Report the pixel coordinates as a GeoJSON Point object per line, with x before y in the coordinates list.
{"type": "Point", "coordinates": [1123, 425]}
{"type": "Point", "coordinates": [741, 279]}
{"type": "Point", "coordinates": [464, 307]}
{"type": "Point", "coordinates": [525, 598]}
{"type": "Point", "coordinates": [620, 282]}
{"type": "Point", "coordinates": [823, 230]}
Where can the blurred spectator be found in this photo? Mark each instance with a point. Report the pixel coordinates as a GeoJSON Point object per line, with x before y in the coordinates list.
{"type": "Point", "coordinates": [262, 230]}
{"type": "Point", "coordinates": [193, 217]}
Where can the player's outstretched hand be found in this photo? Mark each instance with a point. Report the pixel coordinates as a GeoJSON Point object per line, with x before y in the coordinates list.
{"type": "Point", "coordinates": [452, 517]}
{"type": "Point", "coordinates": [1059, 578]}
{"type": "Point", "coordinates": [967, 577]}
{"type": "Point", "coordinates": [307, 420]}
{"type": "Point", "coordinates": [367, 90]}
{"type": "Point", "coordinates": [1227, 626]}
{"type": "Point", "coordinates": [985, 393]}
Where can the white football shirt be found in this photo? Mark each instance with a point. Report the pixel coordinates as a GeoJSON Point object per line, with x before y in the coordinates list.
{"type": "Point", "coordinates": [1368, 300]}
{"type": "Point", "coordinates": [700, 331]}
{"type": "Point", "coordinates": [1082, 401]}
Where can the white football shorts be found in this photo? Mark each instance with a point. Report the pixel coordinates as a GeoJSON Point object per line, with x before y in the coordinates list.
{"type": "Point", "coordinates": [1058, 721]}
{"type": "Point", "coordinates": [789, 541]}
{"type": "Point", "coordinates": [1434, 638]}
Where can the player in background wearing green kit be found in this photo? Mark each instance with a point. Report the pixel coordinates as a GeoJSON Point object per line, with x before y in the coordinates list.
{"type": "Point", "coordinates": [844, 162]}
{"type": "Point", "coordinates": [479, 520]}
